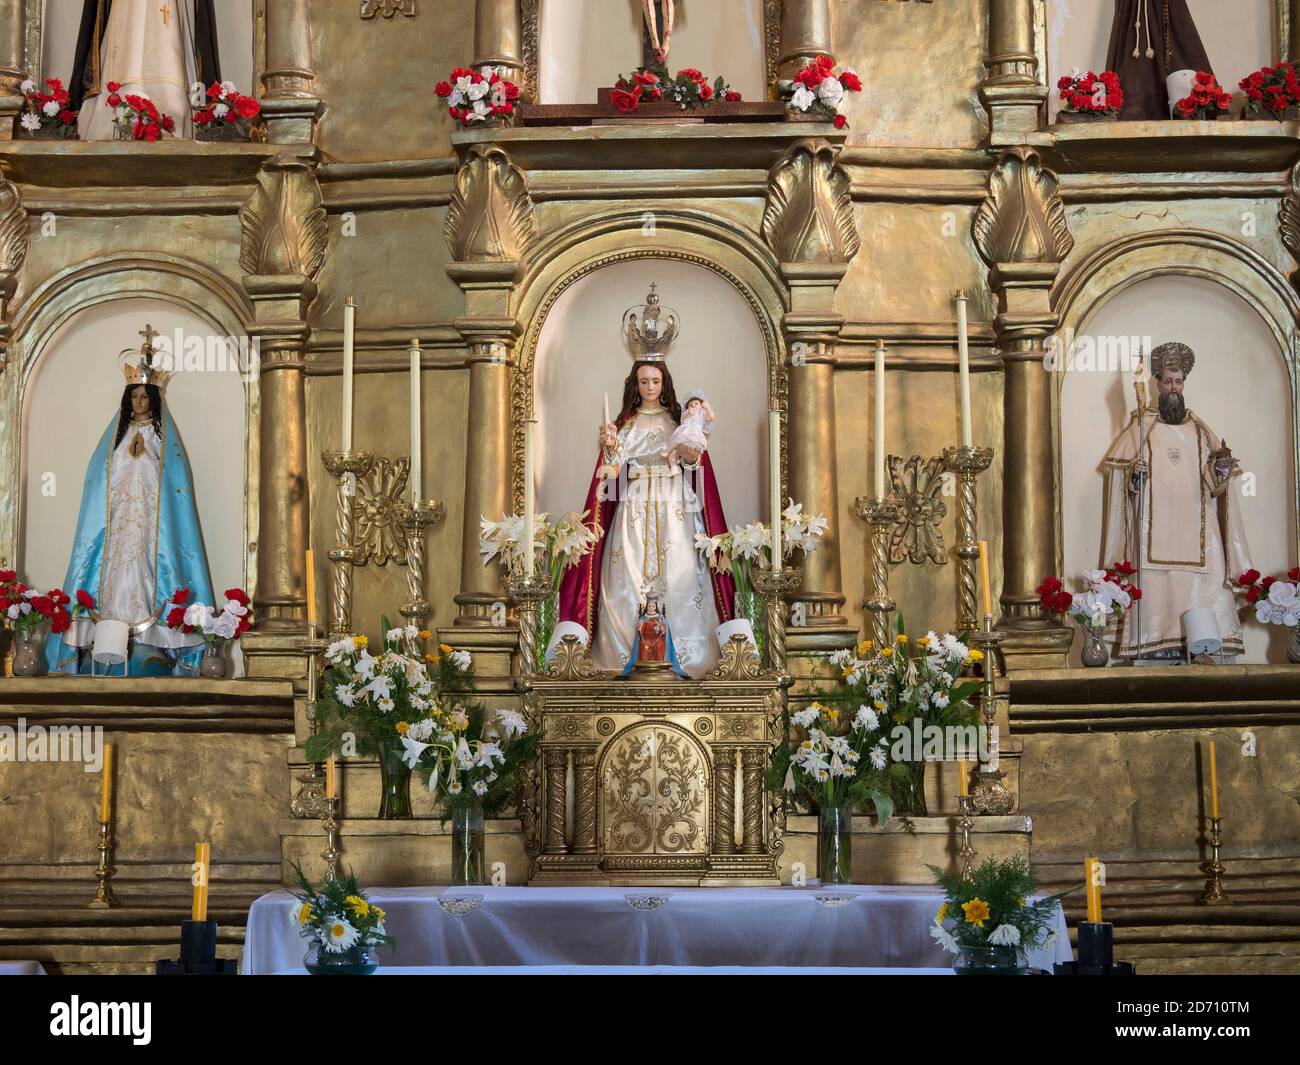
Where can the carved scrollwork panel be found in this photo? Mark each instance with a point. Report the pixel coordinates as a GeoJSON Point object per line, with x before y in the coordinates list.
{"type": "Point", "coordinates": [379, 535]}
{"type": "Point", "coordinates": [918, 484]}
{"type": "Point", "coordinates": [387, 8]}
{"type": "Point", "coordinates": [654, 794]}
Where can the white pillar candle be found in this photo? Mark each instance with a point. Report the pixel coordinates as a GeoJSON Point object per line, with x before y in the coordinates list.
{"type": "Point", "coordinates": [530, 518]}
{"type": "Point", "coordinates": [880, 419]}
{"type": "Point", "coordinates": [774, 482]}
{"type": "Point", "coordinates": [349, 327]}
{"type": "Point", "coordinates": [417, 466]}
{"type": "Point", "coordinates": [963, 363]}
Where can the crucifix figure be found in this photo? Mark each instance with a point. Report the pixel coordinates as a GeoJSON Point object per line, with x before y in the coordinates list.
{"type": "Point", "coordinates": [166, 13]}
{"type": "Point", "coordinates": [655, 48]}
{"type": "Point", "coordinates": [148, 332]}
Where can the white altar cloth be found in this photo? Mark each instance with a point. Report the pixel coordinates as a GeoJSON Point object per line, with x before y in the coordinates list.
{"type": "Point", "coordinates": [631, 970]}
{"type": "Point", "coordinates": [780, 927]}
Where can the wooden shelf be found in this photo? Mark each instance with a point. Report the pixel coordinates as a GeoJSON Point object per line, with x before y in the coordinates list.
{"type": "Point", "coordinates": [1240, 146]}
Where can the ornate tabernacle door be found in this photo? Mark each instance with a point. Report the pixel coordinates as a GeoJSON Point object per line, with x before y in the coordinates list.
{"type": "Point", "coordinates": [647, 781]}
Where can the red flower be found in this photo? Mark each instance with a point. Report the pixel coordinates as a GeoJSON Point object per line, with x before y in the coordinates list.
{"type": "Point", "coordinates": [1268, 583]}
{"type": "Point", "coordinates": [443, 89]}
{"type": "Point", "coordinates": [841, 121]}
{"type": "Point", "coordinates": [202, 118]}
{"type": "Point", "coordinates": [706, 92]}
{"type": "Point", "coordinates": [1252, 595]}
{"type": "Point", "coordinates": [67, 117]}
{"type": "Point", "coordinates": [61, 621]}
{"type": "Point", "coordinates": [114, 86]}
{"type": "Point", "coordinates": [60, 599]}
{"type": "Point", "coordinates": [1186, 108]}
{"type": "Point", "coordinates": [85, 599]}
{"type": "Point", "coordinates": [645, 77]}
{"type": "Point", "coordinates": [1134, 591]}
{"type": "Point", "coordinates": [244, 625]}
{"type": "Point", "coordinates": [1125, 568]}
{"type": "Point", "coordinates": [1249, 577]}
{"type": "Point", "coordinates": [247, 107]}
{"type": "Point", "coordinates": [1065, 82]}
{"type": "Point", "coordinates": [180, 596]}
{"type": "Point", "coordinates": [851, 81]}
{"type": "Point", "coordinates": [114, 100]}
{"type": "Point", "coordinates": [1225, 101]}
{"type": "Point", "coordinates": [1202, 78]}
{"type": "Point", "coordinates": [732, 96]}
{"type": "Point", "coordinates": [43, 605]}
{"type": "Point", "coordinates": [167, 123]}
{"type": "Point", "coordinates": [1061, 602]}
{"type": "Point", "coordinates": [176, 617]}
{"type": "Point", "coordinates": [626, 102]}
{"type": "Point", "coordinates": [238, 595]}
{"type": "Point", "coordinates": [1050, 586]}
{"type": "Point", "coordinates": [7, 575]}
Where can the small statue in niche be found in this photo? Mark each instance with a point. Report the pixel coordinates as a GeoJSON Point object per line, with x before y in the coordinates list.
{"type": "Point", "coordinates": [1150, 42]}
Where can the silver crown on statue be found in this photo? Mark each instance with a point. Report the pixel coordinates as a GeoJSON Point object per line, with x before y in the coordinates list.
{"type": "Point", "coordinates": [650, 328]}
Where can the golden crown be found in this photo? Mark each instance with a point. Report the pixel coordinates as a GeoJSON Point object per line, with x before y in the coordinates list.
{"type": "Point", "coordinates": [650, 328]}
{"type": "Point", "coordinates": [141, 366]}
{"type": "Point", "coordinates": [1172, 356]}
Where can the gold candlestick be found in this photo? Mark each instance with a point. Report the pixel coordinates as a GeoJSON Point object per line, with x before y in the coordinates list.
{"type": "Point", "coordinates": [330, 823]}
{"type": "Point", "coordinates": [968, 463]}
{"type": "Point", "coordinates": [1214, 894]}
{"type": "Point", "coordinates": [104, 898]}
{"type": "Point", "coordinates": [966, 823]}
{"type": "Point", "coordinates": [774, 586]}
{"type": "Point", "coordinates": [527, 591]}
{"type": "Point", "coordinates": [416, 519]}
{"type": "Point", "coordinates": [990, 796]}
{"type": "Point", "coordinates": [880, 514]}
{"type": "Point", "coordinates": [345, 467]}
{"type": "Point", "coordinates": [311, 784]}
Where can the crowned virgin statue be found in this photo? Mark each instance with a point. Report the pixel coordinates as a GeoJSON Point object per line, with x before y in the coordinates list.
{"type": "Point", "coordinates": [137, 540]}
{"type": "Point", "coordinates": [647, 508]}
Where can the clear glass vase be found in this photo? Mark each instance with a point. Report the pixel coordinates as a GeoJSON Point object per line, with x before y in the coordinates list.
{"type": "Point", "coordinates": [468, 844]}
{"type": "Point", "coordinates": [548, 611]}
{"type": "Point", "coordinates": [27, 653]}
{"type": "Point", "coordinates": [835, 844]}
{"type": "Point", "coordinates": [990, 961]}
{"type": "Point", "coordinates": [356, 961]}
{"type": "Point", "coordinates": [394, 783]}
{"type": "Point", "coordinates": [213, 663]}
{"type": "Point", "coordinates": [1094, 653]}
{"type": "Point", "coordinates": [913, 801]}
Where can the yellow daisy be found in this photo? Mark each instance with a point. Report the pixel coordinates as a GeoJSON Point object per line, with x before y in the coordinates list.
{"type": "Point", "coordinates": [865, 648]}
{"type": "Point", "coordinates": [976, 911]}
{"type": "Point", "coordinates": [361, 641]}
{"type": "Point", "coordinates": [900, 638]}
{"type": "Point", "coordinates": [943, 912]}
{"type": "Point", "coordinates": [425, 634]}
{"type": "Point", "coordinates": [401, 727]}
{"type": "Point", "coordinates": [357, 905]}
{"type": "Point", "coordinates": [923, 641]}
{"type": "Point", "coordinates": [304, 915]}
{"type": "Point", "coordinates": [886, 651]}
{"type": "Point", "coordinates": [445, 648]}
{"type": "Point", "coordinates": [976, 655]}
{"type": "Point", "coordinates": [431, 658]}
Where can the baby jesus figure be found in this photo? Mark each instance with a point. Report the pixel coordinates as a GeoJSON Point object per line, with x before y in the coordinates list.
{"type": "Point", "coordinates": [697, 424]}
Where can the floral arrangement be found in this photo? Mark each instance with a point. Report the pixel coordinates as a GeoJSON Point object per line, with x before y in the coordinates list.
{"type": "Point", "coordinates": [1109, 596]}
{"type": "Point", "coordinates": [1276, 599]}
{"type": "Point", "coordinates": [226, 106]}
{"type": "Point", "coordinates": [993, 909]}
{"type": "Point", "coordinates": [1207, 99]}
{"type": "Point", "coordinates": [818, 90]}
{"type": "Point", "coordinates": [475, 96]}
{"type": "Point", "coordinates": [338, 920]}
{"type": "Point", "coordinates": [216, 626]}
{"type": "Point", "coordinates": [688, 89]}
{"type": "Point", "coordinates": [562, 542]}
{"type": "Point", "coordinates": [28, 609]}
{"type": "Point", "coordinates": [1271, 91]}
{"type": "Point", "coordinates": [1091, 94]}
{"type": "Point", "coordinates": [47, 107]}
{"type": "Point", "coordinates": [135, 115]}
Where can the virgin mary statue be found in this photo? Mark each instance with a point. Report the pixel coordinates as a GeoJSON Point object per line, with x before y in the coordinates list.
{"type": "Point", "coordinates": [646, 513]}
{"type": "Point", "coordinates": [137, 540]}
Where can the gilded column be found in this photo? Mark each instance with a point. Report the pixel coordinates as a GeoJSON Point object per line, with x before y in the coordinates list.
{"type": "Point", "coordinates": [1011, 92]}
{"type": "Point", "coordinates": [1022, 233]}
{"type": "Point", "coordinates": [498, 37]}
{"type": "Point", "coordinates": [13, 253]}
{"type": "Point", "coordinates": [808, 223]}
{"type": "Point", "coordinates": [289, 100]}
{"type": "Point", "coordinates": [557, 759]}
{"type": "Point", "coordinates": [805, 34]}
{"type": "Point", "coordinates": [13, 61]}
{"type": "Point", "coordinates": [282, 250]}
{"type": "Point", "coordinates": [584, 800]}
{"type": "Point", "coordinates": [724, 800]}
{"type": "Point", "coordinates": [753, 762]}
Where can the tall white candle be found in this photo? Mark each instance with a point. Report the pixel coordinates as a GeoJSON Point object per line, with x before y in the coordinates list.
{"type": "Point", "coordinates": [606, 408]}
{"type": "Point", "coordinates": [530, 518]}
{"type": "Point", "coordinates": [417, 465]}
{"type": "Point", "coordinates": [880, 419]}
{"type": "Point", "coordinates": [963, 363]}
{"type": "Point", "coordinates": [774, 483]}
{"type": "Point", "coordinates": [349, 328]}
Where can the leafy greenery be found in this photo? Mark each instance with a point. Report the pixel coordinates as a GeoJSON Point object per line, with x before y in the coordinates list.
{"type": "Point", "coordinates": [996, 896]}
{"type": "Point", "coordinates": [319, 914]}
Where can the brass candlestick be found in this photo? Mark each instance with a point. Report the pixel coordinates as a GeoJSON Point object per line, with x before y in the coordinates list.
{"type": "Point", "coordinates": [416, 519]}
{"type": "Point", "coordinates": [1214, 894]}
{"type": "Point", "coordinates": [774, 586]}
{"type": "Point", "coordinates": [311, 784]}
{"type": "Point", "coordinates": [880, 514]}
{"type": "Point", "coordinates": [990, 795]}
{"type": "Point", "coordinates": [527, 590]}
{"type": "Point", "coordinates": [345, 467]}
{"type": "Point", "coordinates": [968, 463]}
{"type": "Point", "coordinates": [330, 822]}
{"type": "Point", "coordinates": [104, 898]}
{"type": "Point", "coordinates": [966, 823]}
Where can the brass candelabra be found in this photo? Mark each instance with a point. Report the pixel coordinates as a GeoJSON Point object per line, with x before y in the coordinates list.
{"type": "Point", "coordinates": [345, 467]}
{"type": "Point", "coordinates": [880, 513]}
{"type": "Point", "coordinates": [330, 823]}
{"type": "Point", "coordinates": [416, 519]}
{"type": "Point", "coordinates": [104, 898]}
{"type": "Point", "coordinates": [1214, 894]}
{"type": "Point", "coordinates": [967, 463]}
{"type": "Point", "coordinates": [990, 795]}
{"type": "Point", "coordinates": [528, 590]}
{"type": "Point", "coordinates": [774, 586]}
{"type": "Point", "coordinates": [966, 823]}
{"type": "Point", "coordinates": [311, 784]}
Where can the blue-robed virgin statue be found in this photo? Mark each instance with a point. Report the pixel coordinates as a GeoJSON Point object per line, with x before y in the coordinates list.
{"type": "Point", "coordinates": [137, 540]}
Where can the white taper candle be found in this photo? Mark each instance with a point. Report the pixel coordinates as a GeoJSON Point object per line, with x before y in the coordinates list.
{"type": "Point", "coordinates": [963, 363]}
{"type": "Point", "coordinates": [417, 466]}
{"type": "Point", "coordinates": [530, 518]}
{"type": "Point", "coordinates": [349, 329]}
{"type": "Point", "coordinates": [774, 483]}
{"type": "Point", "coordinates": [880, 419]}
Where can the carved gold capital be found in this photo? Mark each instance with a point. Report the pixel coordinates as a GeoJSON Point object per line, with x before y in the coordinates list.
{"type": "Point", "coordinates": [809, 213]}
{"type": "Point", "coordinates": [491, 217]}
{"type": "Point", "coordinates": [283, 221]}
{"type": "Point", "coordinates": [1289, 222]}
{"type": "Point", "coordinates": [1022, 220]}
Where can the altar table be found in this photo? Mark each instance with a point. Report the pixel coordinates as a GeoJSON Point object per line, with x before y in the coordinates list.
{"type": "Point", "coordinates": [779, 927]}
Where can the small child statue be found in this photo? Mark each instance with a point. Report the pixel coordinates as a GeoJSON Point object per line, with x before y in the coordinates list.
{"type": "Point", "coordinates": [654, 639]}
{"type": "Point", "coordinates": [697, 424]}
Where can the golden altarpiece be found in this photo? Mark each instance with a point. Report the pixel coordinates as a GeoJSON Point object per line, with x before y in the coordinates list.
{"type": "Point", "coordinates": [833, 239]}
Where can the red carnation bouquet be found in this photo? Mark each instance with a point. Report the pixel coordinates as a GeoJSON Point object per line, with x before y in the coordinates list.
{"type": "Point", "coordinates": [688, 89]}
{"type": "Point", "coordinates": [1090, 94]}
{"type": "Point", "coordinates": [135, 115]}
{"type": "Point", "coordinates": [1207, 99]}
{"type": "Point", "coordinates": [475, 96]}
{"type": "Point", "coordinates": [818, 90]}
{"type": "Point", "coordinates": [27, 609]}
{"type": "Point", "coordinates": [47, 110]}
{"type": "Point", "coordinates": [1271, 91]}
{"type": "Point", "coordinates": [215, 624]}
{"type": "Point", "coordinates": [1109, 596]}
{"type": "Point", "coordinates": [227, 106]}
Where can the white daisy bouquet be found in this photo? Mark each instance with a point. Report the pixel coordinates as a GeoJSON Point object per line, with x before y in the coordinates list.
{"type": "Point", "coordinates": [377, 698]}
{"type": "Point", "coordinates": [992, 909]}
{"type": "Point", "coordinates": [837, 757]}
{"type": "Point", "coordinates": [471, 755]}
{"type": "Point", "coordinates": [338, 919]}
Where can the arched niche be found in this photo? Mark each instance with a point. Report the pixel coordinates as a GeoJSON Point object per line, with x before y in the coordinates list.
{"type": "Point", "coordinates": [573, 352]}
{"type": "Point", "coordinates": [1236, 312]}
{"type": "Point", "coordinates": [64, 386]}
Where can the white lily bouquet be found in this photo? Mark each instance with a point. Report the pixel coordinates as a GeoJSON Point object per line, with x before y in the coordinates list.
{"type": "Point", "coordinates": [341, 924]}
{"type": "Point", "coordinates": [470, 754]}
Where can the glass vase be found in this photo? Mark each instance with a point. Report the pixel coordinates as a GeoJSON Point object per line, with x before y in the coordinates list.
{"type": "Point", "coordinates": [1094, 653]}
{"type": "Point", "coordinates": [355, 961]}
{"type": "Point", "coordinates": [468, 844]}
{"type": "Point", "coordinates": [213, 663]}
{"type": "Point", "coordinates": [749, 605]}
{"type": "Point", "coordinates": [912, 801]}
{"type": "Point", "coordinates": [548, 611]}
{"type": "Point", "coordinates": [989, 961]}
{"type": "Point", "coordinates": [835, 844]}
{"type": "Point", "coordinates": [27, 653]}
{"type": "Point", "coordinates": [394, 783]}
